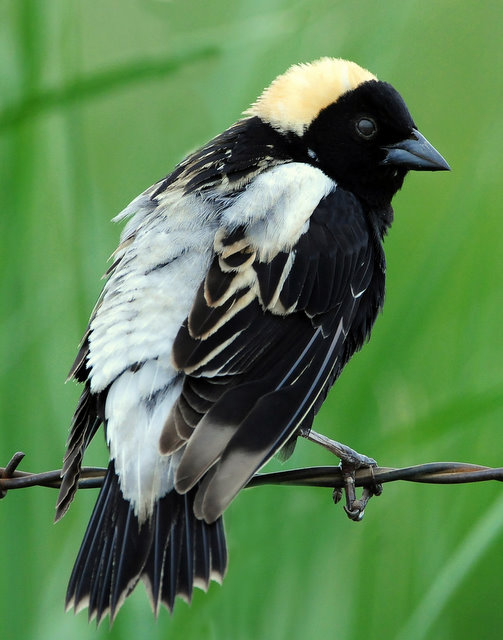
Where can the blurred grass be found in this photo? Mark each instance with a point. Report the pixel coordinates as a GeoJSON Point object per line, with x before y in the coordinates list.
{"type": "Point", "coordinates": [97, 101]}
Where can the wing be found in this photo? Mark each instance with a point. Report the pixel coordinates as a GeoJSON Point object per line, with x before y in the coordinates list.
{"type": "Point", "coordinates": [267, 335]}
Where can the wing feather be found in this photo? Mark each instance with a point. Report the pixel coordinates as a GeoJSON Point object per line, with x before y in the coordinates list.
{"type": "Point", "coordinates": [253, 376]}
{"type": "Point", "coordinates": [258, 437]}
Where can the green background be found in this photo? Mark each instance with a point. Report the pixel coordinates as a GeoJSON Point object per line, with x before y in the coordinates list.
{"type": "Point", "coordinates": [98, 100]}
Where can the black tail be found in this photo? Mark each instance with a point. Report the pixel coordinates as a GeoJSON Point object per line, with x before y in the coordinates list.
{"type": "Point", "coordinates": [172, 553]}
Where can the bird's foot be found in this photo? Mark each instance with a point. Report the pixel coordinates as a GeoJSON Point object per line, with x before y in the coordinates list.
{"type": "Point", "coordinates": [355, 507]}
{"type": "Point", "coordinates": [351, 460]}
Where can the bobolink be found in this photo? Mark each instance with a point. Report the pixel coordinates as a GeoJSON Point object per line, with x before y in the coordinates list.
{"type": "Point", "coordinates": [243, 283]}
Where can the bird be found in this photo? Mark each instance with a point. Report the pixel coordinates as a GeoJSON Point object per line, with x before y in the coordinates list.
{"type": "Point", "coordinates": [243, 283]}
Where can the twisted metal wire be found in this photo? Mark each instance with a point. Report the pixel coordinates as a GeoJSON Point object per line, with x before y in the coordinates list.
{"type": "Point", "coordinates": [328, 476]}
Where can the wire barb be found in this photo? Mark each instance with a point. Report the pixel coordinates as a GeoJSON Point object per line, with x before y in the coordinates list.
{"type": "Point", "coordinates": [9, 471]}
{"type": "Point", "coordinates": [329, 477]}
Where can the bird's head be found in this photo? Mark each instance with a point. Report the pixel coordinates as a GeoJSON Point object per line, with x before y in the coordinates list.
{"type": "Point", "coordinates": [354, 127]}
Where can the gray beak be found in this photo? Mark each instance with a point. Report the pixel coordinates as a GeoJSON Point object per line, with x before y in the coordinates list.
{"type": "Point", "coordinates": [415, 153]}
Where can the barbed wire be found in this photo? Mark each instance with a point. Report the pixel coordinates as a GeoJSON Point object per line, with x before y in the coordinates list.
{"type": "Point", "coordinates": [327, 476]}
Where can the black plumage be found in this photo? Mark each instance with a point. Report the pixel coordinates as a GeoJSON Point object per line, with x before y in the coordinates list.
{"type": "Point", "coordinates": [168, 553]}
{"type": "Point", "coordinates": [288, 351]}
{"type": "Point", "coordinates": [284, 215]}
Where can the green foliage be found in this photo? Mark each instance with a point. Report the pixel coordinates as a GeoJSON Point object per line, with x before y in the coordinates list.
{"type": "Point", "coordinates": [100, 99]}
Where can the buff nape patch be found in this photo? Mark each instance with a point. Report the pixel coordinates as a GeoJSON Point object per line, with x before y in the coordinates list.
{"type": "Point", "coordinates": [295, 98]}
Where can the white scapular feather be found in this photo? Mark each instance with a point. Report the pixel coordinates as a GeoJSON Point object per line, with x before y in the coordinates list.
{"type": "Point", "coordinates": [276, 206]}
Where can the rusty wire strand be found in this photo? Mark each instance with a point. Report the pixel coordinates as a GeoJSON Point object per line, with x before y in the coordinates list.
{"type": "Point", "coordinates": [329, 477]}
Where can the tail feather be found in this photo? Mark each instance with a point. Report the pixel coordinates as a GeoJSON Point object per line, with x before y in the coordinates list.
{"type": "Point", "coordinates": [218, 551]}
{"type": "Point", "coordinates": [185, 581]}
{"type": "Point", "coordinates": [154, 569]}
{"type": "Point", "coordinates": [172, 552]}
{"type": "Point", "coordinates": [89, 564]}
{"type": "Point", "coordinates": [173, 555]}
{"type": "Point", "coordinates": [202, 558]}
{"type": "Point", "coordinates": [85, 423]}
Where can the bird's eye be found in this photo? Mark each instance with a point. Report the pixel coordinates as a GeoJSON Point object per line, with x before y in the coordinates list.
{"type": "Point", "coordinates": [366, 128]}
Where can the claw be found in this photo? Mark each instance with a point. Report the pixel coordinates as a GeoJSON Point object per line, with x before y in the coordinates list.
{"type": "Point", "coordinates": [337, 495]}
{"type": "Point", "coordinates": [355, 508]}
